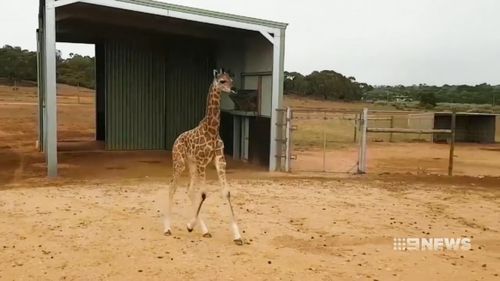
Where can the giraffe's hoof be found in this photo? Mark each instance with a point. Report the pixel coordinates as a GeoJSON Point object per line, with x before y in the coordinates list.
{"type": "Point", "coordinates": [189, 229]}
{"type": "Point", "coordinates": [238, 241]}
{"type": "Point", "coordinates": [167, 233]}
{"type": "Point", "coordinates": [207, 235]}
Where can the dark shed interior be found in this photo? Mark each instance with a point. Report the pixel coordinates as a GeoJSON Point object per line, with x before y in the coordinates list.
{"type": "Point", "coordinates": [152, 75]}
{"type": "Point", "coordinates": [470, 127]}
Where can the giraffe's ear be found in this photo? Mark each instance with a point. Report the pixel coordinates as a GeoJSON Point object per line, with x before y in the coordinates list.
{"type": "Point", "coordinates": [215, 73]}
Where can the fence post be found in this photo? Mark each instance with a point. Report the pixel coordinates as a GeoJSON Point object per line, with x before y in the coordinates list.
{"type": "Point", "coordinates": [288, 132]}
{"type": "Point", "coordinates": [452, 142]}
{"type": "Point", "coordinates": [392, 126]}
{"type": "Point", "coordinates": [356, 122]}
{"type": "Point", "coordinates": [362, 142]}
{"type": "Point", "coordinates": [324, 143]}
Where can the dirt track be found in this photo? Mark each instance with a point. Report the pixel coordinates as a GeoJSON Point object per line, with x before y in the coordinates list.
{"type": "Point", "coordinates": [103, 221]}
{"type": "Point", "coordinates": [295, 230]}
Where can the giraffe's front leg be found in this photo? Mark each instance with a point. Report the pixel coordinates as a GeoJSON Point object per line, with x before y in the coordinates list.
{"type": "Point", "coordinates": [179, 166]}
{"type": "Point", "coordinates": [220, 165]}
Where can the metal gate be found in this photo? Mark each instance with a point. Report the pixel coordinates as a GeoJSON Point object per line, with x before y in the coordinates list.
{"type": "Point", "coordinates": [321, 140]}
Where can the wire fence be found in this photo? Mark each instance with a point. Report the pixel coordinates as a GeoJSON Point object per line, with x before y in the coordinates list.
{"type": "Point", "coordinates": [328, 140]}
{"type": "Point", "coordinates": [339, 129]}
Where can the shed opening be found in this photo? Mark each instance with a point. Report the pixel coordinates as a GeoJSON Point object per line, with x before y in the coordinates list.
{"type": "Point", "coordinates": [76, 78]}
{"type": "Point", "coordinates": [154, 65]}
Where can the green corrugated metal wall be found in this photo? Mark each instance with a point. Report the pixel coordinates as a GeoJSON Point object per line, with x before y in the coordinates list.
{"type": "Point", "coordinates": [188, 79]}
{"type": "Point", "coordinates": [153, 93]}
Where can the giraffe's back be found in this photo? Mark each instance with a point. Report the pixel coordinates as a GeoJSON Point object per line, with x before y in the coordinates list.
{"type": "Point", "coordinates": [196, 144]}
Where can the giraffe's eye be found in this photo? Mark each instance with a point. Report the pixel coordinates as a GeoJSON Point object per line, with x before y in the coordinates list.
{"type": "Point", "coordinates": [222, 81]}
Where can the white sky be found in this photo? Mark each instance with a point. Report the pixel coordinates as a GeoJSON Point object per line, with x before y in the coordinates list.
{"type": "Point", "coordinates": [377, 41]}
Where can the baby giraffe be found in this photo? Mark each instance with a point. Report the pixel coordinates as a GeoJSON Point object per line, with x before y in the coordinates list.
{"type": "Point", "coordinates": [195, 149]}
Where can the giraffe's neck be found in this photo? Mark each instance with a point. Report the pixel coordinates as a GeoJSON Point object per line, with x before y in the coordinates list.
{"type": "Point", "coordinates": [212, 115]}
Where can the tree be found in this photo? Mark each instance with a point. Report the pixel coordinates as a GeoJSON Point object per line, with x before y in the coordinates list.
{"type": "Point", "coordinates": [295, 83]}
{"type": "Point", "coordinates": [428, 99]}
{"type": "Point", "coordinates": [326, 84]}
{"type": "Point", "coordinates": [18, 64]}
{"type": "Point", "coordinates": [77, 71]}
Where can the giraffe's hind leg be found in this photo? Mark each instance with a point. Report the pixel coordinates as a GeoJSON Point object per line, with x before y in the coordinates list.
{"type": "Point", "coordinates": [178, 166]}
{"type": "Point", "coordinates": [193, 176]}
{"type": "Point", "coordinates": [199, 197]}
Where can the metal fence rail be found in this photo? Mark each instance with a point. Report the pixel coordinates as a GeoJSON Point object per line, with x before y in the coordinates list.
{"type": "Point", "coordinates": [365, 130]}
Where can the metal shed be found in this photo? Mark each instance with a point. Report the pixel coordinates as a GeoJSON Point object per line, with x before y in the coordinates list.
{"type": "Point", "coordinates": [470, 127]}
{"type": "Point", "coordinates": [153, 66]}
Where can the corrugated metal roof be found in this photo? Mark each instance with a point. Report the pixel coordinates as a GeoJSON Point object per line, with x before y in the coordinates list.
{"type": "Point", "coordinates": [208, 13]}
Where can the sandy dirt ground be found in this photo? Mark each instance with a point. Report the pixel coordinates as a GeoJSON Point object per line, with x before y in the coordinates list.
{"type": "Point", "coordinates": [101, 220]}
{"type": "Point", "coordinates": [295, 229]}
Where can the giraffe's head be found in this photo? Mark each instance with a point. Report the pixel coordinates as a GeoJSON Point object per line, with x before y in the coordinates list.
{"type": "Point", "coordinates": [222, 82]}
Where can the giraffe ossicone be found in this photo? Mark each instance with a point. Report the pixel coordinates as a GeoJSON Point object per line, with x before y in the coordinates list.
{"type": "Point", "coordinates": [196, 149]}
